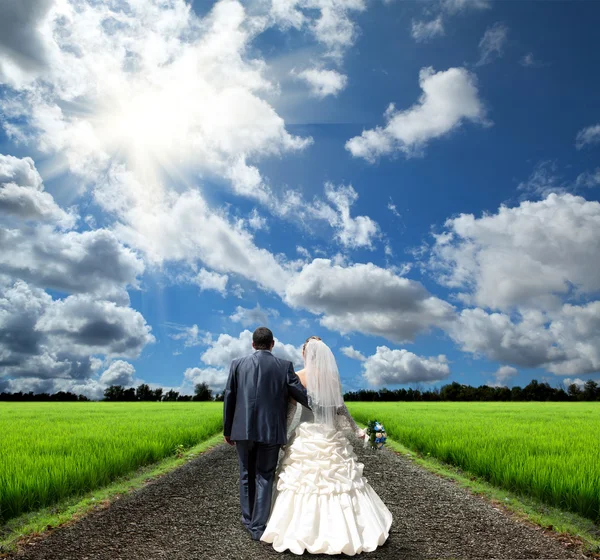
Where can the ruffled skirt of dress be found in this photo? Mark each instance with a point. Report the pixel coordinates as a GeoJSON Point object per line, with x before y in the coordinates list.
{"type": "Point", "coordinates": [322, 502]}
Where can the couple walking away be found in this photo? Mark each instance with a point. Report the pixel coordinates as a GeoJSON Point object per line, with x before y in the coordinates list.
{"type": "Point", "coordinates": [321, 503]}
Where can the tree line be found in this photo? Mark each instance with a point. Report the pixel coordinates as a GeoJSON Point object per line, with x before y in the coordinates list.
{"type": "Point", "coordinates": [454, 391]}
{"type": "Point", "coordinates": [143, 392]}
{"type": "Point", "coordinates": [118, 393]}
{"type": "Point", "coordinates": [534, 391]}
{"type": "Point", "coordinates": [61, 396]}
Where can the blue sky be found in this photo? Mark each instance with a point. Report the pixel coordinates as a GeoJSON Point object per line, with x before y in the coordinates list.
{"type": "Point", "coordinates": [173, 175]}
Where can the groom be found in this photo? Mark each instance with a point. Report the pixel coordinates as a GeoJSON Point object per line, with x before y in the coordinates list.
{"type": "Point", "coordinates": [254, 420]}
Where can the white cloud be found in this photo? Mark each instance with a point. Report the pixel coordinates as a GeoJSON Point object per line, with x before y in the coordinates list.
{"type": "Point", "coordinates": [528, 262]}
{"type": "Point", "coordinates": [523, 256]}
{"type": "Point", "coordinates": [587, 136]}
{"type": "Point", "coordinates": [138, 77]}
{"type": "Point", "coordinates": [544, 180]}
{"type": "Point", "coordinates": [323, 82]}
{"type": "Point", "coordinates": [215, 378]}
{"type": "Point", "coordinates": [304, 323]}
{"type": "Point", "coordinates": [353, 354]}
{"type": "Point", "coordinates": [529, 61]}
{"type": "Point", "coordinates": [22, 194]}
{"type": "Point", "coordinates": [503, 375]}
{"type": "Point", "coordinates": [51, 343]}
{"type": "Point", "coordinates": [328, 20]}
{"type": "Point", "coordinates": [227, 348]}
{"type": "Point", "coordinates": [89, 326]}
{"type": "Point", "coordinates": [20, 171]}
{"type": "Point", "coordinates": [157, 88]}
{"type": "Point", "coordinates": [287, 13]}
{"type": "Point", "coordinates": [256, 316]}
{"type": "Point", "coordinates": [565, 341]}
{"type": "Point", "coordinates": [42, 253]}
{"type": "Point", "coordinates": [423, 31]}
{"type": "Point", "coordinates": [449, 99]}
{"type": "Point", "coordinates": [211, 281]}
{"type": "Point", "coordinates": [185, 229]}
{"type": "Point", "coordinates": [577, 331]}
{"type": "Point", "coordinates": [392, 367]}
{"type": "Point", "coordinates": [351, 232]}
{"type": "Point", "coordinates": [163, 93]}
{"type": "Point", "coordinates": [87, 262]}
{"type": "Point", "coordinates": [393, 209]}
{"type": "Point", "coordinates": [453, 6]}
{"type": "Point", "coordinates": [494, 335]}
{"type": "Point", "coordinates": [23, 44]}
{"type": "Point", "coordinates": [191, 336]}
{"type": "Point", "coordinates": [118, 373]}
{"type": "Point", "coordinates": [237, 291]}
{"type": "Point", "coordinates": [303, 252]}
{"type": "Point", "coordinates": [50, 339]}
{"type": "Point", "coordinates": [91, 388]}
{"type": "Point", "coordinates": [257, 222]}
{"type": "Point", "coordinates": [588, 179]}
{"type": "Point", "coordinates": [579, 382]}
{"type": "Point", "coordinates": [492, 43]}
{"type": "Point", "coordinates": [366, 298]}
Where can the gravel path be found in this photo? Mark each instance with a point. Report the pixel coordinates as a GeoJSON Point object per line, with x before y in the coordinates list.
{"type": "Point", "coordinates": [193, 513]}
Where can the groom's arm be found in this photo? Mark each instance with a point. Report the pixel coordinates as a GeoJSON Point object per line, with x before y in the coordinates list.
{"type": "Point", "coordinates": [229, 398]}
{"type": "Point", "coordinates": [295, 389]}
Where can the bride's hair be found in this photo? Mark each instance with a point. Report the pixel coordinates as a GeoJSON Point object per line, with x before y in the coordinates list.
{"type": "Point", "coordinates": [308, 340]}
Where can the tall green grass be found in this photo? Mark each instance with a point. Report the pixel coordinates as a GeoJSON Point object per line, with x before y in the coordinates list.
{"type": "Point", "coordinates": [51, 451]}
{"type": "Point", "coordinates": [550, 451]}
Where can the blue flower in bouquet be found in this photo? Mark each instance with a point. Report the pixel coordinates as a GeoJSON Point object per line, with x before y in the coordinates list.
{"type": "Point", "coordinates": [376, 434]}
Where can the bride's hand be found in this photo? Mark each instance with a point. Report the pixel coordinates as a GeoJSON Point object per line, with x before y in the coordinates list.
{"type": "Point", "coordinates": [362, 434]}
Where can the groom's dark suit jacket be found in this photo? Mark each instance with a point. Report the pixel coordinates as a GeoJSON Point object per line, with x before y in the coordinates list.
{"type": "Point", "coordinates": [256, 398]}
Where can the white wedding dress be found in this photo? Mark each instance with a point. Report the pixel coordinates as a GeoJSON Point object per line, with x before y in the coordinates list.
{"type": "Point", "coordinates": [322, 503]}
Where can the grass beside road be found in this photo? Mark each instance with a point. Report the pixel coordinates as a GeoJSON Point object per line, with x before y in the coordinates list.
{"type": "Point", "coordinates": [467, 442]}
{"type": "Point", "coordinates": [50, 452]}
{"type": "Point", "coordinates": [547, 451]}
{"type": "Point", "coordinates": [571, 527]}
{"type": "Point", "coordinates": [30, 525]}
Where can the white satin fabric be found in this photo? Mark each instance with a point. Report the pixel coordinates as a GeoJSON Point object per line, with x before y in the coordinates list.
{"type": "Point", "coordinates": [322, 503]}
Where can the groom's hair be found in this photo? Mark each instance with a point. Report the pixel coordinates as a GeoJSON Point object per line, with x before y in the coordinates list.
{"type": "Point", "coordinates": [262, 338]}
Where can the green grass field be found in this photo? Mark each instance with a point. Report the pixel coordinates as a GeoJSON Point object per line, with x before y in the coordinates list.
{"type": "Point", "coordinates": [51, 451]}
{"type": "Point", "coordinates": [546, 450]}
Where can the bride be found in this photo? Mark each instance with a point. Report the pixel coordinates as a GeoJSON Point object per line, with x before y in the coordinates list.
{"type": "Point", "coordinates": [322, 503]}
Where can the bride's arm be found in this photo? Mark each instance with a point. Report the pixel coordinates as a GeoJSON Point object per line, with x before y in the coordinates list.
{"type": "Point", "coordinates": [343, 412]}
{"type": "Point", "coordinates": [291, 412]}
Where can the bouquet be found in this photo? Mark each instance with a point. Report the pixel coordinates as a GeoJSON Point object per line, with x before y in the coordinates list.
{"type": "Point", "coordinates": [376, 434]}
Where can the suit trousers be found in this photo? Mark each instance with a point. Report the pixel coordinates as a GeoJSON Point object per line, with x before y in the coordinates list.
{"type": "Point", "coordinates": [257, 473]}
